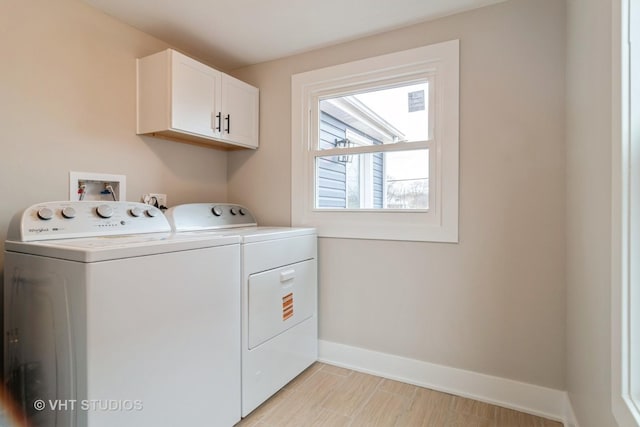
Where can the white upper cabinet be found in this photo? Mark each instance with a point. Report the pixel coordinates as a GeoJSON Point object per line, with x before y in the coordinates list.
{"type": "Point", "coordinates": [195, 96]}
{"type": "Point", "coordinates": [182, 99]}
{"type": "Point", "coordinates": [241, 109]}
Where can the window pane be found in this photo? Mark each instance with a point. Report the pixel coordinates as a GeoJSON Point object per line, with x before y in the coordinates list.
{"type": "Point", "coordinates": [391, 180]}
{"type": "Point", "coordinates": [381, 116]}
{"type": "Point", "coordinates": [352, 170]}
{"type": "Point", "coordinates": [407, 179]}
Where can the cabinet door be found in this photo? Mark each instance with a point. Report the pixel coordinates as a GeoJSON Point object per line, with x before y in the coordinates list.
{"type": "Point", "coordinates": [195, 89]}
{"type": "Point", "coordinates": [240, 103]}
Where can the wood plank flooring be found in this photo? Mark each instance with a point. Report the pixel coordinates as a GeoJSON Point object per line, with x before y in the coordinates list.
{"type": "Point", "coordinates": [328, 396]}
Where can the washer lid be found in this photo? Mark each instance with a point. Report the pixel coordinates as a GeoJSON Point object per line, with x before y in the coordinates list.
{"type": "Point", "coordinates": [105, 248]}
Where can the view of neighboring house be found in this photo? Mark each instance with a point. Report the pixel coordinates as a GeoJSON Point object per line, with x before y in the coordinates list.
{"type": "Point", "coordinates": [374, 180]}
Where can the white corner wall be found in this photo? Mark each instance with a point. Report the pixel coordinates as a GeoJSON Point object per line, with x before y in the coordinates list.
{"type": "Point", "coordinates": [588, 176]}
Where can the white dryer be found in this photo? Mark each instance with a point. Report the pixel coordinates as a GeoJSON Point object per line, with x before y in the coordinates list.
{"type": "Point", "coordinates": [279, 294]}
{"type": "Point", "coordinates": [112, 320]}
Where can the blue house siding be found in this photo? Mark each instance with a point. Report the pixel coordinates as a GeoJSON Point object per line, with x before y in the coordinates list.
{"type": "Point", "coordinates": [332, 177]}
{"type": "Point", "coordinates": [378, 178]}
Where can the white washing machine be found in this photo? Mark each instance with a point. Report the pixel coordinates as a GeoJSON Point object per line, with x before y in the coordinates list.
{"type": "Point", "coordinates": [112, 320]}
{"type": "Point", "coordinates": [279, 294]}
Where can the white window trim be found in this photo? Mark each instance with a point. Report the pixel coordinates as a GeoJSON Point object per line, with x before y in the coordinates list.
{"type": "Point", "coordinates": [366, 168]}
{"type": "Point", "coordinates": [440, 62]}
{"type": "Point", "coordinates": [625, 231]}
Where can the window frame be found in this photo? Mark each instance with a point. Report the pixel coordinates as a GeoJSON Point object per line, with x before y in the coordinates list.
{"type": "Point", "coordinates": [625, 244]}
{"type": "Point", "coordinates": [365, 170]}
{"type": "Point", "coordinates": [439, 64]}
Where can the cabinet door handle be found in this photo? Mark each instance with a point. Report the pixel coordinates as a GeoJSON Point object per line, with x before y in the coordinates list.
{"type": "Point", "coordinates": [228, 120]}
{"type": "Point", "coordinates": [219, 118]}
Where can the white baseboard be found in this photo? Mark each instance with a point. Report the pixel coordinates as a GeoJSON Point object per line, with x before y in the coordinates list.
{"type": "Point", "coordinates": [570, 419]}
{"type": "Point", "coordinates": [532, 399]}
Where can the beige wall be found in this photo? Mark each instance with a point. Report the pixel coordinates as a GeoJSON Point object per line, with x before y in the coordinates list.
{"type": "Point", "coordinates": [588, 362]}
{"type": "Point", "coordinates": [67, 102]}
{"type": "Point", "coordinates": [495, 302]}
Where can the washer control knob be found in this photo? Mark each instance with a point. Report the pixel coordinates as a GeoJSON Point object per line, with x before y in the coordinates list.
{"type": "Point", "coordinates": [136, 212]}
{"type": "Point", "coordinates": [216, 210]}
{"type": "Point", "coordinates": [152, 213]}
{"type": "Point", "coordinates": [234, 211]}
{"type": "Point", "coordinates": [242, 211]}
{"type": "Point", "coordinates": [45, 214]}
{"type": "Point", "coordinates": [68, 212]}
{"type": "Point", "coordinates": [104, 211]}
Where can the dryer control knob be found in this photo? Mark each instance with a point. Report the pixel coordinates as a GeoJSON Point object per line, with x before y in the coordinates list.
{"type": "Point", "coordinates": [104, 211]}
{"type": "Point", "coordinates": [152, 213]}
{"type": "Point", "coordinates": [68, 212]}
{"type": "Point", "coordinates": [234, 211]}
{"type": "Point", "coordinates": [216, 210]}
{"type": "Point", "coordinates": [242, 211]}
{"type": "Point", "coordinates": [45, 213]}
{"type": "Point", "coordinates": [135, 212]}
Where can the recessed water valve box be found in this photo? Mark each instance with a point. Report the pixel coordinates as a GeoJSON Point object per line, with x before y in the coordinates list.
{"type": "Point", "coordinates": [97, 186]}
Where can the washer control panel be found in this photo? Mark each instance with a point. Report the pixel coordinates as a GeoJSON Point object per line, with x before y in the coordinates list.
{"type": "Point", "coordinates": [75, 219]}
{"type": "Point", "coordinates": [209, 216]}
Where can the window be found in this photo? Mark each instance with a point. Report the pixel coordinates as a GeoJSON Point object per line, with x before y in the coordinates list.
{"type": "Point", "coordinates": [375, 147]}
{"type": "Point", "coordinates": [625, 293]}
{"type": "Point", "coordinates": [634, 230]}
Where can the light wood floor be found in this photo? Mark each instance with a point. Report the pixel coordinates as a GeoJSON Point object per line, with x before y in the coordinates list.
{"type": "Point", "coordinates": [329, 396]}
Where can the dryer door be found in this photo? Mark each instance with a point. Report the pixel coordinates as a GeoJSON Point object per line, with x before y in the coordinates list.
{"type": "Point", "coordinates": [280, 299]}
